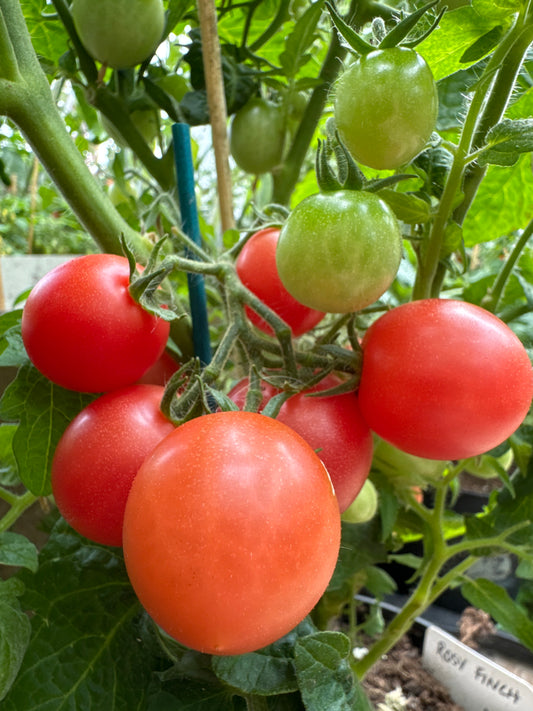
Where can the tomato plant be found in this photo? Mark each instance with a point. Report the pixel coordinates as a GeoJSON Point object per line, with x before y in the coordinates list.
{"type": "Point", "coordinates": [256, 267]}
{"type": "Point", "coordinates": [119, 33]}
{"type": "Point", "coordinates": [98, 457]}
{"type": "Point", "coordinates": [444, 379]}
{"type": "Point", "coordinates": [257, 136]}
{"type": "Point", "coordinates": [232, 513]}
{"type": "Point", "coordinates": [332, 425]}
{"type": "Point", "coordinates": [339, 251]}
{"type": "Point", "coordinates": [386, 107]}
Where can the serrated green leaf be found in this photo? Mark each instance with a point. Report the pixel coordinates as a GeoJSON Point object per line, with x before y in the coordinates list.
{"type": "Point", "coordinates": [12, 351]}
{"type": "Point", "coordinates": [299, 40]}
{"type": "Point", "coordinates": [360, 547]}
{"type": "Point", "coordinates": [43, 411]}
{"type": "Point", "coordinates": [503, 203]}
{"type": "Point", "coordinates": [492, 598]}
{"type": "Point", "coordinates": [14, 633]}
{"type": "Point", "coordinates": [458, 30]}
{"type": "Point", "coordinates": [506, 141]}
{"type": "Point", "coordinates": [324, 675]}
{"type": "Point", "coordinates": [191, 695]}
{"type": "Point", "coordinates": [269, 671]}
{"type": "Point", "coordinates": [17, 550]}
{"type": "Point", "coordinates": [85, 651]}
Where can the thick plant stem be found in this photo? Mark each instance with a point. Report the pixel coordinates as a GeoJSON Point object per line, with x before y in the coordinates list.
{"type": "Point", "coordinates": [28, 102]}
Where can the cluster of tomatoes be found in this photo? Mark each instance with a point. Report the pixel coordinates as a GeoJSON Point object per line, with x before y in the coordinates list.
{"type": "Point", "coordinates": [230, 523]}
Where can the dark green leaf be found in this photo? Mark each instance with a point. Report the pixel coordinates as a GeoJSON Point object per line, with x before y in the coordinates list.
{"type": "Point", "coordinates": [483, 46]}
{"type": "Point", "coordinates": [17, 550]}
{"type": "Point", "coordinates": [268, 671]}
{"type": "Point", "coordinates": [12, 351]}
{"type": "Point", "coordinates": [14, 633]}
{"type": "Point", "coordinates": [492, 598]}
{"type": "Point", "coordinates": [407, 208]}
{"type": "Point", "coordinates": [85, 651]}
{"type": "Point", "coordinates": [43, 410]}
{"type": "Point", "coordinates": [360, 547]}
{"type": "Point", "coordinates": [190, 695]}
{"type": "Point", "coordinates": [324, 675]}
{"type": "Point", "coordinates": [506, 141]}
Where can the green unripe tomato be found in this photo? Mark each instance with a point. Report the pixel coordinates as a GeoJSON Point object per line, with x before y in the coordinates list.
{"type": "Point", "coordinates": [257, 136]}
{"type": "Point", "coordinates": [339, 252]}
{"type": "Point", "coordinates": [386, 107]}
{"type": "Point", "coordinates": [119, 33]}
{"type": "Point", "coordinates": [365, 505]}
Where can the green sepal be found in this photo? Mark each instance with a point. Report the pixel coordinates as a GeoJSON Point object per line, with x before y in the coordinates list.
{"type": "Point", "coordinates": [356, 42]}
{"type": "Point", "coordinates": [402, 29]}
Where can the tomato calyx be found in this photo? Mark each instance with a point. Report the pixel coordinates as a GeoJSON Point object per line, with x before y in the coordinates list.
{"type": "Point", "coordinates": [396, 36]}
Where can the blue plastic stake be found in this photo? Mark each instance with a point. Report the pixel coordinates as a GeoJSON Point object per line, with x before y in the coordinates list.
{"type": "Point", "coordinates": [190, 225]}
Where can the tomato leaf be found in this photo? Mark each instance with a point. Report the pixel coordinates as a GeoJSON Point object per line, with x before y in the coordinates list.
{"type": "Point", "coordinates": [267, 672]}
{"type": "Point", "coordinates": [492, 598]}
{"type": "Point", "coordinates": [506, 141]}
{"type": "Point", "coordinates": [8, 465]}
{"type": "Point", "coordinates": [496, 8]}
{"type": "Point", "coordinates": [43, 411]}
{"type": "Point", "coordinates": [444, 49]}
{"type": "Point", "coordinates": [408, 208]}
{"type": "Point", "coordinates": [17, 550]}
{"type": "Point", "coordinates": [14, 633]}
{"type": "Point", "coordinates": [324, 674]}
{"type": "Point", "coordinates": [503, 203]}
{"type": "Point", "coordinates": [83, 631]}
{"type": "Point", "coordinates": [300, 39]}
{"type": "Point", "coordinates": [360, 547]}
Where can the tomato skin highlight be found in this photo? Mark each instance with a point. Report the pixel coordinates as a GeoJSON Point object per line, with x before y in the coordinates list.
{"type": "Point", "coordinates": [99, 455]}
{"type": "Point", "coordinates": [444, 379]}
{"type": "Point", "coordinates": [84, 332]}
{"type": "Point", "coordinates": [332, 425]}
{"type": "Point", "coordinates": [256, 267]}
{"type": "Point", "coordinates": [386, 107]}
{"type": "Point", "coordinates": [231, 532]}
{"type": "Point", "coordinates": [339, 252]}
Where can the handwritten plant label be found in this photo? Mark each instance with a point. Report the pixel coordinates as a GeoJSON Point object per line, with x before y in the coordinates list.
{"type": "Point", "coordinates": [473, 681]}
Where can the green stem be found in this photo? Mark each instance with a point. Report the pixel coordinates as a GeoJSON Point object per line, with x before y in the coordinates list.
{"type": "Point", "coordinates": [491, 300]}
{"type": "Point", "coordinates": [18, 506]}
{"type": "Point", "coordinates": [28, 102]}
{"type": "Point", "coordinates": [515, 42]}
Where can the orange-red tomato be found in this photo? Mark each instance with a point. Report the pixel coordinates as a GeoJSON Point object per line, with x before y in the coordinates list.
{"type": "Point", "coordinates": [333, 426]}
{"type": "Point", "coordinates": [231, 532]}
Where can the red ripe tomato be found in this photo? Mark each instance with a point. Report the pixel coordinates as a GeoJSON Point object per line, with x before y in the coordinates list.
{"type": "Point", "coordinates": [98, 457]}
{"type": "Point", "coordinates": [333, 426]}
{"type": "Point", "coordinates": [256, 267]}
{"type": "Point", "coordinates": [231, 532]}
{"type": "Point", "coordinates": [83, 330]}
{"type": "Point", "coordinates": [444, 379]}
